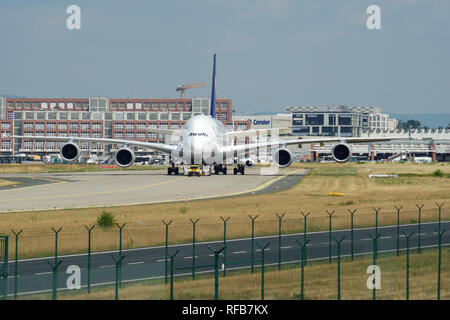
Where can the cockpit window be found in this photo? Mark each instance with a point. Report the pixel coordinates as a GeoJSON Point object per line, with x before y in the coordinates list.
{"type": "Point", "coordinates": [193, 134]}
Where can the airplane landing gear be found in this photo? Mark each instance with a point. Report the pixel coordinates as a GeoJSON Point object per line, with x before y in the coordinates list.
{"type": "Point", "coordinates": [172, 169]}
{"type": "Point", "coordinates": [220, 168]}
{"type": "Point", "coordinates": [240, 168]}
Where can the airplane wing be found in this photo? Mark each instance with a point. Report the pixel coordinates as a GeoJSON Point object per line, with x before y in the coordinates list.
{"type": "Point", "coordinates": [247, 133]}
{"type": "Point", "coordinates": [165, 131]}
{"type": "Point", "coordinates": [300, 141]}
{"type": "Point", "coordinates": [161, 147]}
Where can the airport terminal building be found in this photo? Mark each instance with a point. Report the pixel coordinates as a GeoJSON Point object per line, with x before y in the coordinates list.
{"type": "Point", "coordinates": [338, 120]}
{"type": "Point", "coordinates": [98, 117]}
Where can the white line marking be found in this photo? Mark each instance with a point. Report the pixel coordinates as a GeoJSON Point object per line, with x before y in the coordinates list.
{"type": "Point", "coordinates": [161, 260]}
{"type": "Point", "coordinates": [287, 247]}
{"type": "Point", "coordinates": [238, 252]}
{"type": "Point", "coordinates": [140, 262]}
{"type": "Point", "coordinates": [196, 257]}
{"type": "Point", "coordinates": [40, 273]}
{"type": "Point", "coordinates": [107, 266]}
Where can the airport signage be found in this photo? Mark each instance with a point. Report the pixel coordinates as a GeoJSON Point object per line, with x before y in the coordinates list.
{"type": "Point", "coordinates": [257, 122]}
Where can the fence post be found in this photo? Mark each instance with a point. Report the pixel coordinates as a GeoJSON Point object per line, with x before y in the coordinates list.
{"type": "Point", "coordinates": [167, 247]}
{"type": "Point", "coordinates": [5, 269]}
{"type": "Point", "coordinates": [120, 250]}
{"type": "Point", "coordinates": [352, 213]}
{"type": "Point", "coordinates": [56, 242]}
{"type": "Point", "coordinates": [407, 262]}
{"type": "Point", "coordinates": [418, 231]}
{"type": "Point", "coordinates": [224, 244]}
{"type": "Point", "coordinates": [339, 264]}
{"type": "Point", "coordinates": [279, 239]}
{"type": "Point", "coordinates": [16, 268]}
{"type": "Point", "coordinates": [55, 277]}
{"type": "Point", "coordinates": [440, 233]}
{"type": "Point", "coordinates": [216, 270]}
{"type": "Point", "coordinates": [118, 264]}
{"type": "Point", "coordinates": [253, 241]}
{"type": "Point", "coordinates": [374, 260]}
{"type": "Point", "coordinates": [89, 257]}
{"type": "Point", "coordinates": [439, 206]}
{"type": "Point", "coordinates": [304, 230]}
{"type": "Point", "coordinates": [398, 229]}
{"type": "Point", "coordinates": [193, 246]}
{"type": "Point", "coordinates": [330, 214]}
{"type": "Point", "coordinates": [376, 220]}
{"type": "Point", "coordinates": [171, 272]}
{"type": "Point", "coordinates": [262, 267]}
{"type": "Point", "coordinates": [302, 258]}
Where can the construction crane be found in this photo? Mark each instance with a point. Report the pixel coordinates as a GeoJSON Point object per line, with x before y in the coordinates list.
{"type": "Point", "coordinates": [189, 86]}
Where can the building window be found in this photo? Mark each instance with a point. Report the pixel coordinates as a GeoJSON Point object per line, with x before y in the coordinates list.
{"type": "Point", "coordinates": [10, 104]}
{"type": "Point", "coordinates": [314, 119]}
{"type": "Point", "coordinates": [118, 126]}
{"type": "Point", "coordinates": [164, 116]}
{"type": "Point", "coordinates": [6, 125]}
{"type": "Point", "coordinates": [51, 133]}
{"type": "Point", "coordinates": [51, 125]}
{"type": "Point", "coordinates": [175, 116]}
{"type": "Point", "coordinates": [39, 125]}
{"type": "Point", "coordinates": [39, 145]}
{"type": "Point", "coordinates": [28, 145]}
{"type": "Point", "coordinates": [122, 105]}
{"type": "Point", "coordinates": [28, 125]}
{"type": "Point", "coordinates": [85, 134]}
{"type": "Point", "coordinates": [146, 105]}
{"type": "Point", "coordinates": [51, 145]}
{"type": "Point", "coordinates": [62, 126]}
{"type": "Point", "coordinates": [63, 134]}
{"type": "Point", "coordinates": [113, 105]}
{"type": "Point", "coordinates": [74, 126]}
{"type": "Point", "coordinates": [130, 135]}
{"type": "Point", "coordinates": [223, 116]}
{"type": "Point", "coordinates": [96, 126]}
{"type": "Point", "coordinates": [141, 135]}
{"type": "Point", "coordinates": [96, 134]}
{"type": "Point", "coordinates": [164, 126]}
{"type": "Point", "coordinates": [130, 105]}
{"type": "Point", "coordinates": [345, 119]}
{"type": "Point", "coordinates": [10, 115]}
{"type": "Point", "coordinates": [186, 116]}
{"type": "Point", "coordinates": [141, 125]}
{"type": "Point", "coordinates": [85, 126]}
{"type": "Point", "coordinates": [152, 135]}
{"type": "Point", "coordinates": [118, 135]}
{"type": "Point", "coordinates": [152, 125]}
{"type": "Point", "coordinates": [130, 126]}
{"type": "Point", "coordinates": [153, 116]}
{"type": "Point", "coordinates": [74, 134]}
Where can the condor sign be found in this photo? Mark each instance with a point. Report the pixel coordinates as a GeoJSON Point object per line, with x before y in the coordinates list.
{"type": "Point", "coordinates": [260, 123]}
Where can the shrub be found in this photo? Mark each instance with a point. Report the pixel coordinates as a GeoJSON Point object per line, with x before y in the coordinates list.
{"type": "Point", "coordinates": [438, 173]}
{"type": "Point", "coordinates": [106, 220]}
{"type": "Point", "coordinates": [183, 210]}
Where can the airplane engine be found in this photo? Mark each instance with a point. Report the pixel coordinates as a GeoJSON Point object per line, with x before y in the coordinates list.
{"type": "Point", "coordinates": [341, 152]}
{"type": "Point", "coordinates": [124, 157]}
{"type": "Point", "coordinates": [70, 152]}
{"type": "Point", "coordinates": [282, 157]}
{"type": "Point", "coordinates": [249, 163]}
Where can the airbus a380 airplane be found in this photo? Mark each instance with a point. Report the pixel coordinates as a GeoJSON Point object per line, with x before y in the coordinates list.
{"type": "Point", "coordinates": [205, 140]}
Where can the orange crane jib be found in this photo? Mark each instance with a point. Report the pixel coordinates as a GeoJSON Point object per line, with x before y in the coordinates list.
{"type": "Point", "coordinates": [183, 87]}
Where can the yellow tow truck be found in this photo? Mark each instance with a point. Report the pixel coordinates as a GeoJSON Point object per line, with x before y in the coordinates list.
{"type": "Point", "coordinates": [194, 170]}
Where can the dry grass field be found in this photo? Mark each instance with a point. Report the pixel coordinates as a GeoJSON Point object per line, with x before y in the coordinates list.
{"type": "Point", "coordinates": [415, 184]}
{"type": "Point", "coordinates": [320, 282]}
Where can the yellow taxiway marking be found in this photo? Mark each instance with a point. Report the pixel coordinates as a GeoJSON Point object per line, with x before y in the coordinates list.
{"type": "Point", "coordinates": [91, 193]}
{"type": "Point", "coordinates": [37, 186]}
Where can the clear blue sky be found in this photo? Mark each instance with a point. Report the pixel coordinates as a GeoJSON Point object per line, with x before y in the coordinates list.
{"type": "Point", "coordinates": [270, 53]}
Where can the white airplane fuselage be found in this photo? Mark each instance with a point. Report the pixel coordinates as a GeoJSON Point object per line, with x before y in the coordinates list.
{"type": "Point", "coordinates": [201, 141]}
